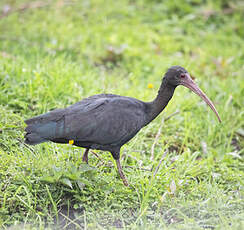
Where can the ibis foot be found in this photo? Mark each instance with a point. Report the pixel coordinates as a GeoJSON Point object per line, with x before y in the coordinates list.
{"type": "Point", "coordinates": [122, 176]}
{"type": "Point", "coordinates": [85, 156]}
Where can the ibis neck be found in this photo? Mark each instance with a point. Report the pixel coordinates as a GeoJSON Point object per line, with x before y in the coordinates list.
{"type": "Point", "coordinates": [165, 93]}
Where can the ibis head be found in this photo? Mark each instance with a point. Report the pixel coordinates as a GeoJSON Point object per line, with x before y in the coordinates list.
{"type": "Point", "coordinates": [177, 75]}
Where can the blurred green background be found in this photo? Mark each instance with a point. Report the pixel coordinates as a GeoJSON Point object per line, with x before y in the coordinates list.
{"type": "Point", "coordinates": [54, 53]}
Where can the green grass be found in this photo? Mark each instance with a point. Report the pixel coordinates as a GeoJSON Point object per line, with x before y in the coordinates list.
{"type": "Point", "coordinates": [57, 54]}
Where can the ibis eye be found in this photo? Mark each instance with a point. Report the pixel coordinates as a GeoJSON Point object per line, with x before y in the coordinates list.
{"type": "Point", "coordinates": [182, 75]}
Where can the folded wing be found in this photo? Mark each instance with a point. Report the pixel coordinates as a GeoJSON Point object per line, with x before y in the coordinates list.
{"type": "Point", "coordinates": [100, 119]}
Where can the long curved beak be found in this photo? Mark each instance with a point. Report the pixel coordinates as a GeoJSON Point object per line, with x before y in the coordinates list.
{"type": "Point", "coordinates": [190, 84]}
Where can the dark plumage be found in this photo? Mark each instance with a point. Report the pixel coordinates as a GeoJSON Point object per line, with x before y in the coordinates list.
{"type": "Point", "coordinates": [106, 121]}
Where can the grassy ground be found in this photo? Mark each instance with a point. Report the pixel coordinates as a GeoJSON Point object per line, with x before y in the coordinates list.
{"type": "Point", "coordinates": [54, 53]}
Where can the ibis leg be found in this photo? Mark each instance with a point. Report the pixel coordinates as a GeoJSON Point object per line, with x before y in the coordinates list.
{"type": "Point", "coordinates": [122, 176]}
{"type": "Point", "coordinates": [85, 156]}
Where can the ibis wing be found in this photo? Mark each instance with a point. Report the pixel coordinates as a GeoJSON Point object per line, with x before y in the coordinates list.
{"type": "Point", "coordinates": [114, 121]}
{"type": "Point", "coordinates": [100, 119]}
{"type": "Point", "coordinates": [62, 123]}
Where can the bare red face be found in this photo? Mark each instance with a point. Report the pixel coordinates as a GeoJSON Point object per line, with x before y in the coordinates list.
{"type": "Point", "coordinates": [187, 81]}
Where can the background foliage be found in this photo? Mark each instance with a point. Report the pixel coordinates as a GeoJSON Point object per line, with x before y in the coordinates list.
{"type": "Point", "coordinates": [54, 53]}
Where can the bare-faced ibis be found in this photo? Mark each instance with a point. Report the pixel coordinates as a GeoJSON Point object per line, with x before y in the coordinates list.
{"type": "Point", "coordinates": [107, 121]}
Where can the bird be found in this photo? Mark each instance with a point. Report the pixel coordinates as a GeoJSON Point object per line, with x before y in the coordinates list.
{"type": "Point", "coordinates": [107, 121]}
